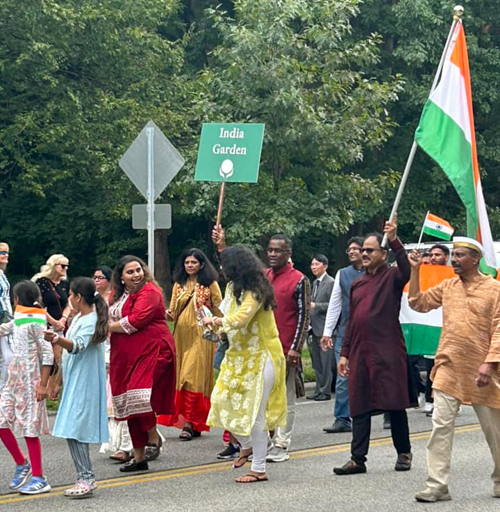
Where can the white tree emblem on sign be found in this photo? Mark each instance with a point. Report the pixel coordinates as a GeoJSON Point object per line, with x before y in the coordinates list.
{"type": "Point", "coordinates": [226, 169]}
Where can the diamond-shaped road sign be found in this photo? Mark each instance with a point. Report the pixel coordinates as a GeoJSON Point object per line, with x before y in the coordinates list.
{"type": "Point", "coordinates": [166, 161]}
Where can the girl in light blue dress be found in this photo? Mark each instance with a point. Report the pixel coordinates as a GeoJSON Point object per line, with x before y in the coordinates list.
{"type": "Point", "coordinates": [82, 416]}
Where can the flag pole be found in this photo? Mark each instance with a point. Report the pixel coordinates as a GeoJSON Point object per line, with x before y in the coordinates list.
{"type": "Point", "coordinates": [457, 15]}
{"type": "Point", "coordinates": [422, 230]}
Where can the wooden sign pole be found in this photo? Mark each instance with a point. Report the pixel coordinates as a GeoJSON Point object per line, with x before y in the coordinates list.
{"type": "Point", "coordinates": [221, 202]}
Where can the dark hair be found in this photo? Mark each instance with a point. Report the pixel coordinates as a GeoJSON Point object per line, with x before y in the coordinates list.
{"type": "Point", "coordinates": [379, 237]}
{"type": "Point", "coordinates": [358, 240]}
{"type": "Point", "coordinates": [207, 273]}
{"type": "Point", "coordinates": [118, 287]}
{"type": "Point", "coordinates": [426, 254]}
{"type": "Point", "coordinates": [441, 247]}
{"type": "Point", "coordinates": [321, 258]}
{"type": "Point", "coordinates": [85, 287]}
{"type": "Point", "coordinates": [283, 238]}
{"type": "Point", "coordinates": [246, 271]}
{"type": "Point", "coordinates": [106, 271]}
{"type": "Point", "coordinates": [28, 294]}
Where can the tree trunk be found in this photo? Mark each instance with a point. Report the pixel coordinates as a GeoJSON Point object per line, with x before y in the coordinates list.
{"type": "Point", "coordinates": [162, 262]}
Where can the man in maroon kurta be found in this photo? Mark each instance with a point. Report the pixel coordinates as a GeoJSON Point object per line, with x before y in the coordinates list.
{"type": "Point", "coordinates": [373, 354]}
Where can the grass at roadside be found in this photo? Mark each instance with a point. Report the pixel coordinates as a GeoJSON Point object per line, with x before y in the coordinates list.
{"type": "Point", "coordinates": [309, 375]}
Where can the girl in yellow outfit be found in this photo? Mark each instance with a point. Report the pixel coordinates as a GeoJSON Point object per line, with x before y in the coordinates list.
{"type": "Point", "coordinates": [249, 397]}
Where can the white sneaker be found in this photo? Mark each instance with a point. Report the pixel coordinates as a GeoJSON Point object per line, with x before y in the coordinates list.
{"type": "Point", "coordinates": [277, 454]}
{"type": "Point", "coordinates": [421, 400]}
{"type": "Point", "coordinates": [429, 407]}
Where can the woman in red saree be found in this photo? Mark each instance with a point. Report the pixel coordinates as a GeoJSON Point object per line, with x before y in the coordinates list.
{"type": "Point", "coordinates": [142, 361]}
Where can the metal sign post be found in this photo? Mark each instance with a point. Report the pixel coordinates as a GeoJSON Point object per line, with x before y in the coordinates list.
{"type": "Point", "coordinates": [150, 131]}
{"type": "Point", "coordinates": [151, 162]}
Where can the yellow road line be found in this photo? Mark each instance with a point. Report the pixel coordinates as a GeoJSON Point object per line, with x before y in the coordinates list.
{"type": "Point", "coordinates": [221, 466]}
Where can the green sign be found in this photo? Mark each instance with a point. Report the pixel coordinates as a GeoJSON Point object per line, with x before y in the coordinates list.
{"type": "Point", "coordinates": [229, 152]}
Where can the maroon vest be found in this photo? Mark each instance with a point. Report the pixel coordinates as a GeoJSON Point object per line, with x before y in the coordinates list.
{"type": "Point", "coordinates": [286, 315]}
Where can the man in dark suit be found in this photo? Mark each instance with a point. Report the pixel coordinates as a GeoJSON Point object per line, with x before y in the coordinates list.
{"type": "Point", "coordinates": [322, 361]}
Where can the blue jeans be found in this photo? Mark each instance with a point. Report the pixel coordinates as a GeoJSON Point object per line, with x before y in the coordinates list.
{"type": "Point", "coordinates": [341, 409]}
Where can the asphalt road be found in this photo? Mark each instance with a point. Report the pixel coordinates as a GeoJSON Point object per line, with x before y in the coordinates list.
{"type": "Point", "coordinates": [187, 477]}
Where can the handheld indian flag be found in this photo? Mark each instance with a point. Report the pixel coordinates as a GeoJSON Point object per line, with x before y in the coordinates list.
{"type": "Point", "coordinates": [24, 315]}
{"type": "Point", "coordinates": [446, 133]}
{"type": "Point", "coordinates": [437, 227]}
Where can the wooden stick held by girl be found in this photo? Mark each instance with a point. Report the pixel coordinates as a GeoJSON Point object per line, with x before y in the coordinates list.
{"type": "Point", "coordinates": [82, 416]}
{"type": "Point", "coordinates": [22, 404]}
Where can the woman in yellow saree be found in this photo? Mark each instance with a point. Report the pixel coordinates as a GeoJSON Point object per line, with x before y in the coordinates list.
{"type": "Point", "coordinates": [195, 288]}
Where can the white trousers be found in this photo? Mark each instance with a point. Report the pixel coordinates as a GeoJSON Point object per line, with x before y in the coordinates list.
{"type": "Point", "coordinates": [258, 436]}
{"type": "Point", "coordinates": [441, 442]}
{"type": "Point", "coordinates": [283, 436]}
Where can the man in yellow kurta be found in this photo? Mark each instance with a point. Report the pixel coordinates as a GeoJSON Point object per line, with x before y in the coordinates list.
{"type": "Point", "coordinates": [466, 364]}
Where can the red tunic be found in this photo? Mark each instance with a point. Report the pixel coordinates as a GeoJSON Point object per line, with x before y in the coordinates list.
{"type": "Point", "coordinates": [142, 361]}
{"type": "Point", "coordinates": [374, 342]}
{"type": "Point", "coordinates": [287, 314]}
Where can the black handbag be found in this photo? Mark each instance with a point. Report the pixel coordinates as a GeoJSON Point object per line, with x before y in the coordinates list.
{"type": "Point", "coordinates": [5, 317]}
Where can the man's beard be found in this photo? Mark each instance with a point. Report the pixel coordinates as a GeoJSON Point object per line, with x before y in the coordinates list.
{"type": "Point", "coordinates": [3, 266]}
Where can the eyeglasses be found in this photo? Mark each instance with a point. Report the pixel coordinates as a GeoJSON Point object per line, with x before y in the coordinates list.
{"type": "Point", "coordinates": [63, 266]}
{"type": "Point", "coordinates": [4, 253]}
{"type": "Point", "coordinates": [369, 250]}
{"type": "Point", "coordinates": [99, 278]}
{"type": "Point", "coordinates": [352, 249]}
{"type": "Point", "coordinates": [270, 250]}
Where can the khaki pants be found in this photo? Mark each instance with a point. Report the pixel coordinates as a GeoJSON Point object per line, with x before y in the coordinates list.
{"type": "Point", "coordinates": [441, 441]}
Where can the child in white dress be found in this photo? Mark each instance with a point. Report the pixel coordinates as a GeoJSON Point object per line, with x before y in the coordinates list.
{"type": "Point", "coordinates": [22, 404]}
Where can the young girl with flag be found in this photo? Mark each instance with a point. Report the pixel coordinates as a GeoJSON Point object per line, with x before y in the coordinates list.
{"type": "Point", "coordinates": [22, 404]}
{"type": "Point", "coordinates": [82, 415]}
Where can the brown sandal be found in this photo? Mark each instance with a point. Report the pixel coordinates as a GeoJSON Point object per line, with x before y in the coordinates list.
{"type": "Point", "coordinates": [121, 456]}
{"type": "Point", "coordinates": [241, 461]}
{"type": "Point", "coordinates": [254, 478]}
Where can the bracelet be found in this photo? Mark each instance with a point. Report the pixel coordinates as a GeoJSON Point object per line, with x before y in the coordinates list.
{"type": "Point", "coordinates": [55, 340]}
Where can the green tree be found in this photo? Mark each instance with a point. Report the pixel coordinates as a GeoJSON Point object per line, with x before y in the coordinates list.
{"type": "Point", "coordinates": [413, 36]}
{"type": "Point", "coordinates": [295, 66]}
{"type": "Point", "coordinates": [79, 80]}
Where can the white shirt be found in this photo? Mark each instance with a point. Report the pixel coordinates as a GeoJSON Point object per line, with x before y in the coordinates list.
{"type": "Point", "coordinates": [334, 308]}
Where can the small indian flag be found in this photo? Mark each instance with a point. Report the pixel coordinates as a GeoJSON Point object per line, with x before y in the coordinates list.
{"type": "Point", "coordinates": [438, 227]}
{"type": "Point", "coordinates": [27, 315]}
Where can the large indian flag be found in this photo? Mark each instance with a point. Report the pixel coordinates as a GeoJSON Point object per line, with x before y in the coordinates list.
{"type": "Point", "coordinates": [446, 133]}
{"type": "Point", "coordinates": [422, 330]}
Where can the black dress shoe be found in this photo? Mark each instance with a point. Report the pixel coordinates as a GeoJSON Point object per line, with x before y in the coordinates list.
{"type": "Point", "coordinates": [134, 466]}
{"type": "Point", "coordinates": [350, 468]}
{"type": "Point", "coordinates": [311, 397]}
{"type": "Point", "coordinates": [387, 421]}
{"type": "Point", "coordinates": [338, 427]}
{"type": "Point", "coordinates": [404, 462]}
{"type": "Point", "coordinates": [322, 398]}
{"type": "Point", "coordinates": [152, 451]}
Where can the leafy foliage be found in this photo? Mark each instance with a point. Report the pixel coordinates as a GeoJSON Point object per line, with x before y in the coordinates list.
{"type": "Point", "coordinates": [339, 84]}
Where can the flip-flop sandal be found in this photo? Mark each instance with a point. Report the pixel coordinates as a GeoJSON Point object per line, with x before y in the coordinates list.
{"type": "Point", "coordinates": [253, 479]}
{"type": "Point", "coordinates": [186, 434]}
{"type": "Point", "coordinates": [121, 456]}
{"type": "Point", "coordinates": [241, 461]}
